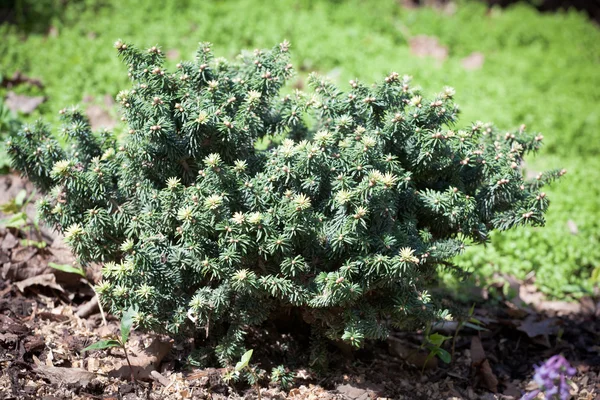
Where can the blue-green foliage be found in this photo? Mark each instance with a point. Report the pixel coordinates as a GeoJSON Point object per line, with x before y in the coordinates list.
{"type": "Point", "coordinates": [539, 69]}
{"type": "Point", "coordinates": [344, 224]}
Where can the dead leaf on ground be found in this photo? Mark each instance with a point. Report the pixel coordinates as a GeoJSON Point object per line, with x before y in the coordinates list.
{"type": "Point", "coordinates": [352, 392]}
{"type": "Point", "coordinates": [8, 339]}
{"type": "Point", "coordinates": [572, 227]}
{"type": "Point", "coordinates": [20, 271]}
{"type": "Point", "coordinates": [144, 362]}
{"type": "Point", "coordinates": [157, 376]}
{"type": "Point", "coordinates": [412, 355]}
{"type": "Point", "coordinates": [540, 330]}
{"type": "Point", "coordinates": [206, 372]}
{"type": "Point", "coordinates": [560, 307]}
{"type": "Point", "coordinates": [428, 46]}
{"type": "Point", "coordinates": [48, 280]}
{"type": "Point", "coordinates": [511, 389]}
{"type": "Point", "coordinates": [515, 312]}
{"type": "Point", "coordinates": [173, 54]}
{"type": "Point", "coordinates": [34, 344]}
{"type": "Point", "coordinates": [473, 61]}
{"type": "Point", "coordinates": [76, 377]}
{"type": "Point", "coordinates": [60, 251]}
{"type": "Point", "coordinates": [88, 308]}
{"type": "Point", "coordinates": [477, 351]}
{"type": "Point", "coordinates": [23, 254]}
{"type": "Point", "coordinates": [10, 325]}
{"type": "Point", "coordinates": [522, 296]}
{"type": "Point", "coordinates": [11, 185]}
{"type": "Point", "coordinates": [99, 118]}
{"type": "Point", "coordinates": [530, 299]}
{"type": "Point", "coordinates": [530, 295]}
{"type": "Point", "coordinates": [99, 115]}
{"type": "Point", "coordinates": [8, 242]}
{"type": "Point", "coordinates": [481, 365]}
{"type": "Point", "coordinates": [22, 103]}
{"type": "Point", "coordinates": [489, 378]}
{"type": "Point", "coordinates": [53, 31]}
{"type": "Point", "coordinates": [535, 328]}
{"type": "Point", "coordinates": [52, 316]}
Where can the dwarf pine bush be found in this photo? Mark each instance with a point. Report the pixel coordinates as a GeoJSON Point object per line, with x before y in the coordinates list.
{"type": "Point", "coordinates": [341, 225]}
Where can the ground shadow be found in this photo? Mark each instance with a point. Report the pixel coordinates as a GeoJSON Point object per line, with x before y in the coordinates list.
{"type": "Point", "coordinates": [591, 7]}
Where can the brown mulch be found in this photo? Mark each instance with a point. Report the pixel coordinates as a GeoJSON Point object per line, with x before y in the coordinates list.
{"type": "Point", "coordinates": [48, 317]}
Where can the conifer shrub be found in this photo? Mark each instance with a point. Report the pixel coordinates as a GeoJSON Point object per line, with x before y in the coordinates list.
{"type": "Point", "coordinates": [342, 225]}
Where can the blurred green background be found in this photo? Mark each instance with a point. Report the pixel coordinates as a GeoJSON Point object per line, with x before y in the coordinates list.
{"type": "Point", "coordinates": [511, 66]}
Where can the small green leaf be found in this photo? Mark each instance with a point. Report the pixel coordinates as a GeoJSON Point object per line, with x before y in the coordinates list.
{"type": "Point", "coordinates": [472, 310]}
{"type": "Point", "coordinates": [127, 323]}
{"type": "Point", "coordinates": [20, 198]}
{"type": "Point", "coordinates": [443, 355]}
{"type": "Point", "coordinates": [9, 207]}
{"type": "Point", "coordinates": [33, 243]}
{"type": "Point", "coordinates": [475, 327]}
{"type": "Point", "coordinates": [68, 269]}
{"type": "Point", "coordinates": [245, 360]}
{"type": "Point", "coordinates": [103, 344]}
{"type": "Point", "coordinates": [438, 339]}
{"type": "Point", "coordinates": [16, 221]}
{"type": "Point", "coordinates": [30, 198]}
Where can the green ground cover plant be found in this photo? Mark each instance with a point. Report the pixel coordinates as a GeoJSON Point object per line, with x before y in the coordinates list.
{"type": "Point", "coordinates": [9, 125]}
{"type": "Point", "coordinates": [541, 73]}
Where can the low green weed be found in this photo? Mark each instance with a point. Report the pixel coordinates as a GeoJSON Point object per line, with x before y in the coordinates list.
{"type": "Point", "coordinates": [118, 340]}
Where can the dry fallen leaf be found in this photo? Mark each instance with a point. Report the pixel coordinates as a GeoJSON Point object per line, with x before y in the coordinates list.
{"type": "Point", "coordinates": [144, 362]}
{"type": "Point", "coordinates": [157, 376]}
{"type": "Point", "coordinates": [173, 54]}
{"type": "Point", "coordinates": [48, 280]}
{"type": "Point", "coordinates": [572, 227]}
{"type": "Point", "coordinates": [473, 61]}
{"type": "Point", "coordinates": [481, 365]}
{"type": "Point", "coordinates": [8, 242]}
{"type": "Point", "coordinates": [23, 254]}
{"type": "Point", "coordinates": [65, 376]}
{"type": "Point", "coordinates": [477, 351]}
{"type": "Point", "coordinates": [53, 31]}
{"type": "Point", "coordinates": [428, 46]}
{"type": "Point", "coordinates": [88, 308]}
{"type": "Point", "coordinates": [11, 185]}
{"type": "Point", "coordinates": [21, 103]}
{"type": "Point", "coordinates": [412, 355]}
{"type": "Point", "coordinates": [207, 372]}
{"type": "Point", "coordinates": [489, 378]}
{"type": "Point", "coordinates": [560, 307]}
{"type": "Point", "coordinates": [12, 326]}
{"type": "Point", "coordinates": [351, 392]}
{"type": "Point", "coordinates": [544, 327]}
{"type": "Point", "coordinates": [99, 117]}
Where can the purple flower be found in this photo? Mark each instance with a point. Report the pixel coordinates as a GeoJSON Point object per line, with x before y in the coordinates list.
{"type": "Point", "coordinates": [551, 378]}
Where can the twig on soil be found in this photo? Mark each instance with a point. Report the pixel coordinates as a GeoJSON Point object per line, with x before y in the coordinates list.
{"type": "Point", "coordinates": [84, 280]}
{"type": "Point", "coordinates": [133, 380]}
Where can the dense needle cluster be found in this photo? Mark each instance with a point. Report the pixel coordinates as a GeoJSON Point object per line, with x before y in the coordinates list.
{"type": "Point", "coordinates": [342, 224]}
